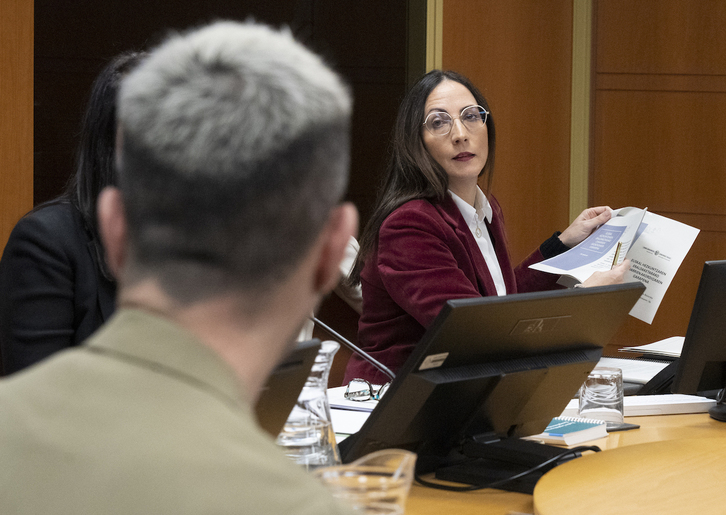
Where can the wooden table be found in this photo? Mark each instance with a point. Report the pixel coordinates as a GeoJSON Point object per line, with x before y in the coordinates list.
{"type": "Point", "coordinates": [671, 477]}
{"type": "Point", "coordinates": [663, 428]}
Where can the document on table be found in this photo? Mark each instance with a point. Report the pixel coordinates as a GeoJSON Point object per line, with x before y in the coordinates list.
{"type": "Point", "coordinates": [337, 400]}
{"type": "Point", "coordinates": [347, 416]}
{"type": "Point", "coordinates": [669, 348]}
{"type": "Point", "coordinates": [655, 245]}
{"type": "Point", "coordinates": [346, 422]}
{"type": "Point", "coordinates": [635, 370]}
{"type": "Point", "coordinates": [666, 404]}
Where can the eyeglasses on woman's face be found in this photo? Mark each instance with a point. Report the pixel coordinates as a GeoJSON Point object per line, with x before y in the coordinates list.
{"type": "Point", "coordinates": [440, 123]}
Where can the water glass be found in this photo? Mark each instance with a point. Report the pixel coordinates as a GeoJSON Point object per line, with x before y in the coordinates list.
{"type": "Point", "coordinates": [601, 396]}
{"type": "Point", "coordinates": [376, 484]}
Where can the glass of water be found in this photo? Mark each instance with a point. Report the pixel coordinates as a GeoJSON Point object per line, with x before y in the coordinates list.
{"type": "Point", "coordinates": [601, 396]}
{"type": "Point", "coordinates": [377, 483]}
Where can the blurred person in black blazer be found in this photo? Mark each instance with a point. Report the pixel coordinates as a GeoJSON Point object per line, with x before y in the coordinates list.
{"type": "Point", "coordinates": [55, 286]}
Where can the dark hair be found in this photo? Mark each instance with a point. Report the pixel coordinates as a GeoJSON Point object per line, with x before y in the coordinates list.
{"type": "Point", "coordinates": [411, 172]}
{"type": "Point", "coordinates": [239, 232]}
{"type": "Point", "coordinates": [95, 161]}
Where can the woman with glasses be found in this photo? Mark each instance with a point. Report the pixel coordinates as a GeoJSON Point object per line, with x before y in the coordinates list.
{"type": "Point", "coordinates": [434, 234]}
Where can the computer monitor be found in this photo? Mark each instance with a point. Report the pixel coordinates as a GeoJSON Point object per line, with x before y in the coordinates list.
{"type": "Point", "coordinates": [493, 369]}
{"type": "Point", "coordinates": [702, 365]}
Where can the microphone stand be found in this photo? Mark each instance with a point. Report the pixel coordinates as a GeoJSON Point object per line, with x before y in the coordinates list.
{"type": "Point", "coordinates": [370, 359]}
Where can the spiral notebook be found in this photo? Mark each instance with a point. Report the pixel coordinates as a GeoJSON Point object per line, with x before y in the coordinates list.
{"type": "Point", "coordinates": [571, 431]}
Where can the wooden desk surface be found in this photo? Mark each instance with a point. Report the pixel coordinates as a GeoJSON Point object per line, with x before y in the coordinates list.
{"type": "Point", "coordinates": [662, 428]}
{"type": "Point", "coordinates": [672, 477]}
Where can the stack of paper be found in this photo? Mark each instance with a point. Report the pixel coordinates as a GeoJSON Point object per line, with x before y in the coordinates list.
{"type": "Point", "coordinates": [347, 416]}
{"type": "Point", "coordinates": [667, 404]}
{"type": "Point", "coordinates": [670, 348]}
{"type": "Point", "coordinates": [638, 371]}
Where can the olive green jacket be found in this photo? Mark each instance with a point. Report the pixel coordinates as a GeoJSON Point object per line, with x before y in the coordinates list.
{"type": "Point", "coordinates": [142, 419]}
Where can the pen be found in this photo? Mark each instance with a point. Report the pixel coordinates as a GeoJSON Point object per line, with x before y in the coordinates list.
{"type": "Point", "coordinates": [617, 254]}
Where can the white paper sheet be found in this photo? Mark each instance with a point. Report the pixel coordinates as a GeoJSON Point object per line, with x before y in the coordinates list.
{"type": "Point", "coordinates": [666, 348]}
{"type": "Point", "coordinates": [655, 245]}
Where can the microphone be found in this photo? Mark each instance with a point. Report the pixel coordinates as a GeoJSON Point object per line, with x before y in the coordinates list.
{"type": "Point", "coordinates": [363, 354]}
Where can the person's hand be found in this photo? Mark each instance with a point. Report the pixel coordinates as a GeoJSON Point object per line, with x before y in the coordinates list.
{"type": "Point", "coordinates": [613, 276]}
{"type": "Point", "coordinates": [589, 220]}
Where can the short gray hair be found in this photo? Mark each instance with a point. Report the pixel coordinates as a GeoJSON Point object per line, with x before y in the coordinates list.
{"type": "Point", "coordinates": [235, 149]}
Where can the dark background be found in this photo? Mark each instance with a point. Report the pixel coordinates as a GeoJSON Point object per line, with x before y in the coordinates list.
{"type": "Point", "coordinates": [366, 42]}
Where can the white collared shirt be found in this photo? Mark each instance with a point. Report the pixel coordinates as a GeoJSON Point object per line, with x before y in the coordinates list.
{"type": "Point", "coordinates": [475, 218]}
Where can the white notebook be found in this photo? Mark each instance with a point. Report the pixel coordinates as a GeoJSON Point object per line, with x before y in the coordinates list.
{"type": "Point", "coordinates": [667, 404]}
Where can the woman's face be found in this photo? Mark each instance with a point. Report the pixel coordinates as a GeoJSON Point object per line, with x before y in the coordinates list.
{"type": "Point", "coordinates": [461, 153]}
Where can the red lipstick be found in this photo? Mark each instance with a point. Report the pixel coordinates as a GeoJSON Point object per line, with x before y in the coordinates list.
{"type": "Point", "coordinates": [463, 156]}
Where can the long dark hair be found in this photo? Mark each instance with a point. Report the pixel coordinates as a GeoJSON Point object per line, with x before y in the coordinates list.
{"type": "Point", "coordinates": [411, 172]}
{"type": "Point", "coordinates": [95, 161]}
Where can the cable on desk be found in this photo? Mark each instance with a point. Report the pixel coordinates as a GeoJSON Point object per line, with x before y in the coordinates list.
{"type": "Point", "coordinates": [495, 484]}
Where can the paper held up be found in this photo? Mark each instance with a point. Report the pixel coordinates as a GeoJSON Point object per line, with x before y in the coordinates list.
{"type": "Point", "coordinates": [655, 245]}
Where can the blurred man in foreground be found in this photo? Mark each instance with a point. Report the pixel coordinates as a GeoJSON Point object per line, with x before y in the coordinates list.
{"type": "Point", "coordinates": [224, 233]}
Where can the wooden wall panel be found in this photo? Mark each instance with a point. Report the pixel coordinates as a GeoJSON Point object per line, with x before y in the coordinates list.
{"type": "Point", "coordinates": [658, 133]}
{"type": "Point", "coordinates": [519, 53]}
{"type": "Point", "coordinates": [16, 113]}
{"type": "Point", "coordinates": [661, 36]}
{"type": "Point", "coordinates": [662, 149]}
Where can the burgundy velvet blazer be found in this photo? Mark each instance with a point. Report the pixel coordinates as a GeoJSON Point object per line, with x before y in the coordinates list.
{"type": "Point", "coordinates": [425, 256]}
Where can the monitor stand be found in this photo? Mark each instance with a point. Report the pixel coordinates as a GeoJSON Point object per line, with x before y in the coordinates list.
{"type": "Point", "coordinates": [718, 412]}
{"type": "Point", "coordinates": [485, 463]}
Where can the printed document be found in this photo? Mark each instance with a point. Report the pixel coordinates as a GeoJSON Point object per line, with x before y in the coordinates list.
{"type": "Point", "coordinates": [655, 245]}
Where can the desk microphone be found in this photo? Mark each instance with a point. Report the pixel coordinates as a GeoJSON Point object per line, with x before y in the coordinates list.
{"type": "Point", "coordinates": [363, 354]}
{"type": "Point", "coordinates": [718, 412]}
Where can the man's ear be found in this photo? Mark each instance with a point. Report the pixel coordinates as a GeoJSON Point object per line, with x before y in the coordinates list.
{"type": "Point", "coordinates": [112, 228]}
{"type": "Point", "coordinates": [343, 224]}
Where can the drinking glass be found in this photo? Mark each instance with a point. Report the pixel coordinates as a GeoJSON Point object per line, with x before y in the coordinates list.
{"type": "Point", "coordinates": [601, 396]}
{"type": "Point", "coordinates": [376, 484]}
